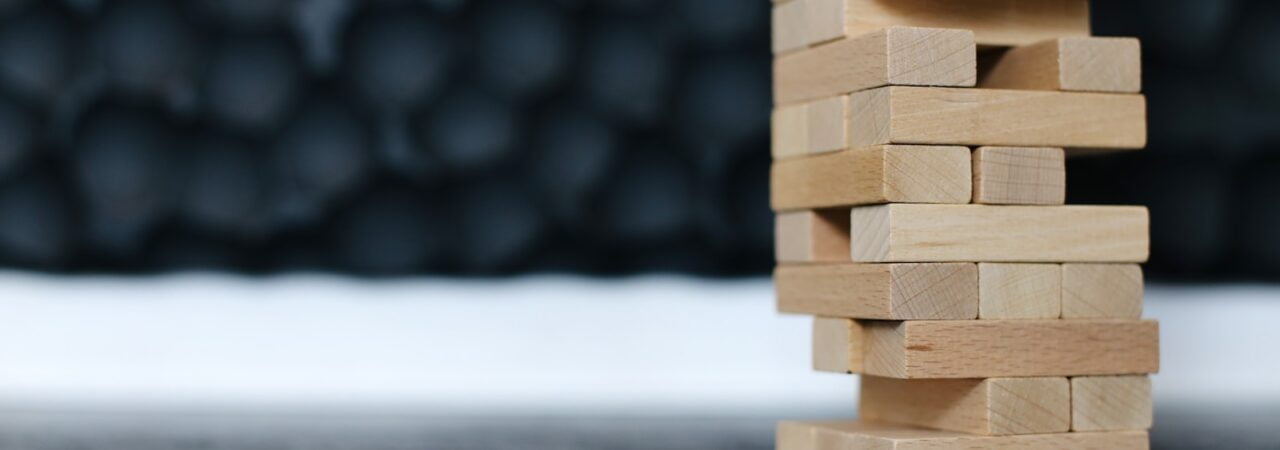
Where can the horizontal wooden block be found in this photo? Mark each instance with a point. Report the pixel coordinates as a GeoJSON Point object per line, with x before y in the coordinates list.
{"type": "Point", "coordinates": [985, 233]}
{"type": "Point", "coordinates": [997, 117]}
{"type": "Point", "coordinates": [890, 56]}
{"type": "Point", "coordinates": [1088, 64]}
{"type": "Point", "coordinates": [1019, 176]}
{"type": "Point", "coordinates": [991, 348]}
{"type": "Point", "coordinates": [991, 406]}
{"type": "Point", "coordinates": [1101, 291]}
{"type": "Point", "coordinates": [850, 435]}
{"type": "Point", "coordinates": [1111, 403]}
{"type": "Point", "coordinates": [809, 236]}
{"type": "Point", "coordinates": [826, 123]}
{"type": "Point", "coordinates": [789, 126]}
{"type": "Point", "coordinates": [790, 26]}
{"type": "Point", "coordinates": [879, 291]}
{"type": "Point", "coordinates": [1019, 291]}
{"type": "Point", "coordinates": [872, 175]}
{"type": "Point", "coordinates": [994, 22]}
{"type": "Point", "coordinates": [838, 345]}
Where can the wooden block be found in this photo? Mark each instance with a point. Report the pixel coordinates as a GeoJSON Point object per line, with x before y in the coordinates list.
{"type": "Point", "coordinates": [997, 117]}
{"type": "Point", "coordinates": [789, 131]}
{"type": "Point", "coordinates": [808, 236]}
{"type": "Point", "coordinates": [1088, 64]}
{"type": "Point", "coordinates": [995, 348]}
{"type": "Point", "coordinates": [872, 175]}
{"type": "Point", "coordinates": [863, 434]}
{"type": "Point", "coordinates": [994, 22]}
{"type": "Point", "coordinates": [790, 26]}
{"type": "Point", "coordinates": [992, 406]}
{"type": "Point", "coordinates": [891, 56]}
{"type": "Point", "coordinates": [827, 121]}
{"type": "Point", "coordinates": [837, 345]}
{"type": "Point", "coordinates": [1019, 176]}
{"type": "Point", "coordinates": [1101, 291]}
{"type": "Point", "coordinates": [879, 291]}
{"type": "Point", "coordinates": [1019, 291]}
{"type": "Point", "coordinates": [985, 233]}
{"type": "Point", "coordinates": [1111, 403]}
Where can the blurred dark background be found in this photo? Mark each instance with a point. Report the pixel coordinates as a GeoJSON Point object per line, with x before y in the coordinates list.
{"type": "Point", "coordinates": [486, 136]}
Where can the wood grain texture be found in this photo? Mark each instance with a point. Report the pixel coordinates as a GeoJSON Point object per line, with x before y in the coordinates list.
{"type": "Point", "coordinates": [997, 117]}
{"type": "Point", "coordinates": [1019, 291]}
{"type": "Point", "coordinates": [1087, 64]}
{"type": "Point", "coordinates": [851, 435]}
{"type": "Point", "coordinates": [1111, 403]}
{"type": "Point", "coordinates": [789, 126]}
{"type": "Point", "coordinates": [994, 22]}
{"type": "Point", "coordinates": [879, 291]}
{"type": "Point", "coordinates": [1019, 176]}
{"type": "Point", "coordinates": [991, 406]}
{"type": "Point", "coordinates": [872, 175]}
{"type": "Point", "coordinates": [890, 56]}
{"type": "Point", "coordinates": [809, 236]}
{"type": "Point", "coordinates": [1101, 291]}
{"type": "Point", "coordinates": [996, 348]}
{"type": "Point", "coordinates": [837, 345]}
{"type": "Point", "coordinates": [790, 26]}
{"type": "Point", "coordinates": [986, 233]}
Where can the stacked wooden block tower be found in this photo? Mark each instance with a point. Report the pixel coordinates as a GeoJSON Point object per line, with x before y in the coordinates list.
{"type": "Point", "coordinates": [919, 179]}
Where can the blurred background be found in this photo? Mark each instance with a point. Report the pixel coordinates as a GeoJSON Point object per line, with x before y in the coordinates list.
{"type": "Point", "coordinates": [383, 160]}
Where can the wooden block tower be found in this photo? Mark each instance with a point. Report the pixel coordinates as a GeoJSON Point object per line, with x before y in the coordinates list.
{"type": "Point", "coordinates": [919, 185]}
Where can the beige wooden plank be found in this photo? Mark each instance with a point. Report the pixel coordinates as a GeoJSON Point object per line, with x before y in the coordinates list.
{"type": "Point", "coordinates": [1086, 64]}
{"type": "Point", "coordinates": [790, 26]}
{"type": "Point", "coordinates": [825, 20]}
{"type": "Point", "coordinates": [994, 22]}
{"type": "Point", "coordinates": [837, 345]}
{"type": "Point", "coordinates": [997, 117]}
{"type": "Point", "coordinates": [1019, 176]}
{"type": "Point", "coordinates": [1019, 291]}
{"type": "Point", "coordinates": [1101, 291]}
{"type": "Point", "coordinates": [991, 406]}
{"type": "Point", "coordinates": [827, 121]}
{"type": "Point", "coordinates": [891, 56]}
{"type": "Point", "coordinates": [790, 131]}
{"type": "Point", "coordinates": [864, 434]}
{"type": "Point", "coordinates": [872, 175]}
{"type": "Point", "coordinates": [808, 236]}
{"type": "Point", "coordinates": [995, 348]}
{"type": "Point", "coordinates": [986, 233]}
{"type": "Point", "coordinates": [1111, 403]}
{"type": "Point", "coordinates": [879, 291]}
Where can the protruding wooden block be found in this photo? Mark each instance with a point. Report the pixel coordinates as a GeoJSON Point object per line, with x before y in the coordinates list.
{"type": "Point", "coordinates": [1019, 291]}
{"type": "Point", "coordinates": [808, 236]}
{"type": "Point", "coordinates": [790, 26]}
{"type": "Point", "coordinates": [1101, 291]}
{"type": "Point", "coordinates": [837, 345]}
{"type": "Point", "coordinates": [985, 233]}
{"type": "Point", "coordinates": [879, 291]}
{"type": "Point", "coordinates": [890, 56]}
{"type": "Point", "coordinates": [1111, 403]}
{"type": "Point", "coordinates": [790, 131]}
{"type": "Point", "coordinates": [872, 175]}
{"type": "Point", "coordinates": [994, 22]}
{"type": "Point", "coordinates": [994, 348]}
{"type": "Point", "coordinates": [851, 435]}
{"type": "Point", "coordinates": [991, 406]}
{"type": "Point", "coordinates": [1019, 176]}
{"type": "Point", "coordinates": [997, 117]}
{"type": "Point", "coordinates": [1090, 64]}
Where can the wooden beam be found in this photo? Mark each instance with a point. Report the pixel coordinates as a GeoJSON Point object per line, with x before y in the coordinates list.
{"type": "Point", "coordinates": [991, 406]}
{"type": "Point", "coordinates": [848, 435]}
{"type": "Point", "coordinates": [1019, 176]}
{"type": "Point", "coordinates": [879, 291]}
{"type": "Point", "coordinates": [993, 348]}
{"type": "Point", "coordinates": [1086, 64]}
{"type": "Point", "coordinates": [890, 56]}
{"type": "Point", "coordinates": [1101, 291]}
{"type": "Point", "coordinates": [1019, 291]}
{"type": "Point", "coordinates": [994, 22]}
{"type": "Point", "coordinates": [984, 233]}
{"type": "Point", "coordinates": [808, 236]}
{"type": "Point", "coordinates": [996, 117]}
{"type": "Point", "coordinates": [872, 175]}
{"type": "Point", "coordinates": [1111, 403]}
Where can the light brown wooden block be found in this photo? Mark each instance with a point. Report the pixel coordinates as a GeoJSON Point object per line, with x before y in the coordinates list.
{"type": "Point", "coordinates": [827, 121]}
{"type": "Point", "coordinates": [879, 291]}
{"type": "Point", "coordinates": [891, 56]}
{"type": "Point", "coordinates": [1019, 176]}
{"type": "Point", "coordinates": [997, 117]}
{"type": "Point", "coordinates": [1101, 291]}
{"type": "Point", "coordinates": [852, 435]}
{"type": "Point", "coordinates": [837, 345]}
{"type": "Point", "coordinates": [994, 22]}
{"type": "Point", "coordinates": [872, 175]}
{"type": "Point", "coordinates": [991, 406]}
{"type": "Point", "coordinates": [1111, 403]}
{"type": "Point", "coordinates": [1019, 291]}
{"type": "Point", "coordinates": [790, 131]}
{"type": "Point", "coordinates": [1090, 64]}
{"type": "Point", "coordinates": [986, 233]}
{"type": "Point", "coordinates": [995, 348]}
{"type": "Point", "coordinates": [790, 26]}
{"type": "Point", "coordinates": [808, 236]}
